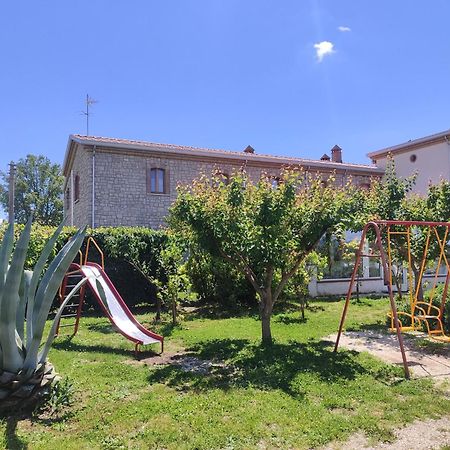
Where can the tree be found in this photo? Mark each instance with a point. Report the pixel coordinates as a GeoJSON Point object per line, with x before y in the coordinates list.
{"type": "Point", "coordinates": [38, 191]}
{"type": "Point", "coordinates": [264, 230]}
{"type": "Point", "coordinates": [176, 285]}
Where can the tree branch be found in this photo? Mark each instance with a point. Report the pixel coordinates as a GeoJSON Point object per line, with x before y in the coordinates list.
{"type": "Point", "coordinates": [249, 274]}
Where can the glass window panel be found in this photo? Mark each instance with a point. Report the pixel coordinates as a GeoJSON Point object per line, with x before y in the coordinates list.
{"type": "Point", "coordinates": [160, 180]}
{"type": "Point", "coordinates": [153, 180]}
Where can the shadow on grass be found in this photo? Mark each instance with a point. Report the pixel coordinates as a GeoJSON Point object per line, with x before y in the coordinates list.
{"type": "Point", "coordinates": [269, 368]}
{"type": "Point", "coordinates": [379, 326]}
{"type": "Point", "coordinates": [288, 320]}
{"type": "Point", "coordinates": [13, 441]}
{"type": "Point", "coordinates": [70, 346]}
{"type": "Point", "coordinates": [215, 311]}
{"type": "Point", "coordinates": [104, 328]}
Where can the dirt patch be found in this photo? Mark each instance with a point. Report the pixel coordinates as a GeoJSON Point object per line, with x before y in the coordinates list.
{"type": "Point", "coordinates": [185, 361]}
{"type": "Point", "coordinates": [419, 435]}
{"type": "Point", "coordinates": [385, 346]}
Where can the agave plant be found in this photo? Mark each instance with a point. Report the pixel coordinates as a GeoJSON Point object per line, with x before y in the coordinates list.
{"type": "Point", "coordinates": [25, 301]}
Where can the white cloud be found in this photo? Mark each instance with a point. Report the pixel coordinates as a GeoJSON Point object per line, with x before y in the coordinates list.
{"type": "Point", "coordinates": [344, 29]}
{"type": "Point", "coordinates": [323, 48]}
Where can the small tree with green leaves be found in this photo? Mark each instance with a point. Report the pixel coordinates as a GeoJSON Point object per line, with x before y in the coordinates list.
{"type": "Point", "coordinates": [265, 231]}
{"type": "Point", "coordinates": [38, 191]}
{"type": "Point", "coordinates": [174, 284]}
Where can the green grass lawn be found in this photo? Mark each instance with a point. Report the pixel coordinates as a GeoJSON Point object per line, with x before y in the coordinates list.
{"type": "Point", "coordinates": [296, 394]}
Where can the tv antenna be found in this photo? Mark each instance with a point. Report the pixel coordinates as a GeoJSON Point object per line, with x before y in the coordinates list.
{"type": "Point", "coordinates": [89, 101]}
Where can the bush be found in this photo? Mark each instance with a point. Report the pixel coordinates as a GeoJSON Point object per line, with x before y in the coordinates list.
{"type": "Point", "coordinates": [437, 301]}
{"type": "Point", "coordinates": [131, 256]}
{"type": "Point", "coordinates": [133, 262]}
{"type": "Point", "coordinates": [218, 282]}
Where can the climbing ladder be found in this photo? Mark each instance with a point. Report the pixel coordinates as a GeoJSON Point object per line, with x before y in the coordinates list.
{"type": "Point", "coordinates": [70, 317]}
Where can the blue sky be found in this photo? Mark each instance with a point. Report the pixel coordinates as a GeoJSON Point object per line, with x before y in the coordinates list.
{"type": "Point", "coordinates": [224, 73]}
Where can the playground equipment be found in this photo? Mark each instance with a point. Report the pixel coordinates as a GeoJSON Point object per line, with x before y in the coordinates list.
{"type": "Point", "coordinates": [107, 297]}
{"type": "Point", "coordinates": [399, 238]}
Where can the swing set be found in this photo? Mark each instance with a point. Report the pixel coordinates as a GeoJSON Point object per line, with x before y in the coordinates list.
{"type": "Point", "coordinates": [410, 243]}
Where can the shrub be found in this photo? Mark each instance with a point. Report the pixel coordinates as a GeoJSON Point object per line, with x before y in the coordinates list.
{"type": "Point", "coordinates": [216, 281]}
{"type": "Point", "coordinates": [131, 255]}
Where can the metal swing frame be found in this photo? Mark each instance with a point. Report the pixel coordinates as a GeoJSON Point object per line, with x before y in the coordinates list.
{"type": "Point", "coordinates": [421, 311]}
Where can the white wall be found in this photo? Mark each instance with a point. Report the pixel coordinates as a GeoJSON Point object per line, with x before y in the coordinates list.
{"type": "Point", "coordinates": [432, 164]}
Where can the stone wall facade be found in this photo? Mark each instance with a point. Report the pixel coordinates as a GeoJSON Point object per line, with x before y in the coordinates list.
{"type": "Point", "coordinates": [121, 184]}
{"type": "Point", "coordinates": [82, 207]}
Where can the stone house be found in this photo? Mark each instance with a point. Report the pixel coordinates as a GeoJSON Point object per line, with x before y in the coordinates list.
{"type": "Point", "coordinates": [428, 156]}
{"type": "Point", "coordinates": [113, 182]}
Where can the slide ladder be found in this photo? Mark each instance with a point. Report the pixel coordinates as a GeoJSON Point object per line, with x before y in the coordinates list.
{"type": "Point", "coordinates": [72, 311]}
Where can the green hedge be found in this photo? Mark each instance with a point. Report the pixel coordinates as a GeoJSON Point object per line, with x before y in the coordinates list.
{"type": "Point", "coordinates": [132, 258]}
{"type": "Point", "coordinates": [215, 281]}
{"type": "Point", "coordinates": [121, 247]}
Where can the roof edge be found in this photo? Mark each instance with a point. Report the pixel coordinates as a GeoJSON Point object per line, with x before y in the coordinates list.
{"type": "Point", "coordinates": [199, 152]}
{"type": "Point", "coordinates": [416, 143]}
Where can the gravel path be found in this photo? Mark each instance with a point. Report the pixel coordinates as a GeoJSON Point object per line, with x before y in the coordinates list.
{"type": "Point", "coordinates": [419, 435]}
{"type": "Point", "coordinates": [385, 346]}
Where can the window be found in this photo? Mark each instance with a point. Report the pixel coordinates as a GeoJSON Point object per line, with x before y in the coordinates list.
{"type": "Point", "coordinates": [157, 181]}
{"type": "Point", "coordinates": [67, 198]}
{"type": "Point", "coordinates": [76, 188]}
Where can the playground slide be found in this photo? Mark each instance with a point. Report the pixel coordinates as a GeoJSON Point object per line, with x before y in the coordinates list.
{"type": "Point", "coordinates": [116, 309]}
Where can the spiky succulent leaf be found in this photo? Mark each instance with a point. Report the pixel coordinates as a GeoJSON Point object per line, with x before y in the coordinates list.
{"type": "Point", "coordinates": [11, 355]}
{"type": "Point", "coordinates": [21, 307]}
{"type": "Point", "coordinates": [5, 255]}
{"type": "Point", "coordinates": [46, 293]}
{"type": "Point", "coordinates": [52, 334]}
{"type": "Point", "coordinates": [37, 271]}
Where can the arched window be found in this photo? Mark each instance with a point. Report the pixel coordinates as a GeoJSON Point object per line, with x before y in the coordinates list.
{"type": "Point", "coordinates": [156, 183]}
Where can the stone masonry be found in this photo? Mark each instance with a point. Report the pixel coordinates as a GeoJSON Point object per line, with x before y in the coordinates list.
{"type": "Point", "coordinates": [121, 194]}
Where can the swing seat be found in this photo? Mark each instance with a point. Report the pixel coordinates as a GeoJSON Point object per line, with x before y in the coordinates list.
{"type": "Point", "coordinates": [425, 315]}
{"type": "Point", "coordinates": [402, 327]}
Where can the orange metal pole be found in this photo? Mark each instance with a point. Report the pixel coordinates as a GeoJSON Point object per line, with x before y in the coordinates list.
{"type": "Point", "coordinates": [389, 286]}
{"type": "Point", "coordinates": [350, 288]}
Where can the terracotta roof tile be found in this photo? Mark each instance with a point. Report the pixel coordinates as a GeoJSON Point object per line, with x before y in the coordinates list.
{"type": "Point", "coordinates": [116, 142]}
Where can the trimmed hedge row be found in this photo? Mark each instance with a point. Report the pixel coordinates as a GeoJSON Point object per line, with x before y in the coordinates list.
{"type": "Point", "coordinates": [132, 260]}
{"type": "Point", "coordinates": [131, 255]}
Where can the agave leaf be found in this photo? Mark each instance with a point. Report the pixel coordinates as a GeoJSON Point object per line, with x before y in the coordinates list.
{"type": "Point", "coordinates": [5, 255]}
{"type": "Point", "coordinates": [37, 271]}
{"type": "Point", "coordinates": [52, 334]}
{"type": "Point", "coordinates": [46, 293]}
{"type": "Point", "coordinates": [21, 307]}
{"type": "Point", "coordinates": [12, 358]}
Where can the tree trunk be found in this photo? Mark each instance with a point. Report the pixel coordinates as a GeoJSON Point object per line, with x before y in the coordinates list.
{"type": "Point", "coordinates": [417, 284]}
{"type": "Point", "coordinates": [302, 306]}
{"type": "Point", "coordinates": [266, 307]}
{"type": "Point", "coordinates": [174, 311]}
{"type": "Point", "coordinates": [398, 282]}
{"type": "Point", "coordinates": [158, 306]}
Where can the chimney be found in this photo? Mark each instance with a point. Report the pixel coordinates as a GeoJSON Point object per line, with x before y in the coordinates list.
{"type": "Point", "coordinates": [249, 149]}
{"type": "Point", "coordinates": [325, 157]}
{"type": "Point", "coordinates": [336, 154]}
